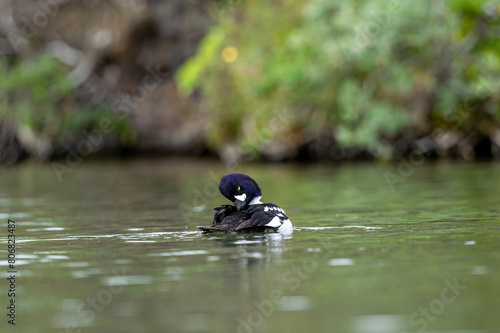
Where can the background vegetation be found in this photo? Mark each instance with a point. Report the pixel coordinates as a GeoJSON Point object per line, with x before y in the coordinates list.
{"type": "Point", "coordinates": [355, 77]}
{"type": "Point", "coordinates": [279, 80]}
{"type": "Point", "coordinates": [37, 98]}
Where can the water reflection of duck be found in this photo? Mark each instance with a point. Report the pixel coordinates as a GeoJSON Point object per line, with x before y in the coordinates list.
{"type": "Point", "coordinates": [248, 214]}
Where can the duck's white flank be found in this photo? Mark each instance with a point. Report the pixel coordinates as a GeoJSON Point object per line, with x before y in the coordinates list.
{"type": "Point", "coordinates": [275, 222]}
{"type": "Point", "coordinates": [286, 228]}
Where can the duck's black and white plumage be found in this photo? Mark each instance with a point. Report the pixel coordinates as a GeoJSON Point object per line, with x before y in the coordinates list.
{"type": "Point", "coordinates": [248, 214]}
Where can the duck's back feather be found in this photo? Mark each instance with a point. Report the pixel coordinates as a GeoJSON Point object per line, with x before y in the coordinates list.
{"type": "Point", "coordinates": [253, 218]}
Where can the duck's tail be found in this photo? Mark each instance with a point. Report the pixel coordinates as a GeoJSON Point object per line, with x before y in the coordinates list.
{"type": "Point", "coordinates": [210, 229]}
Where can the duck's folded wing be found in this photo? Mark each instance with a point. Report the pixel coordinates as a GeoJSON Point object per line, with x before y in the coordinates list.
{"type": "Point", "coordinates": [227, 218]}
{"type": "Point", "coordinates": [222, 212]}
{"type": "Point", "coordinates": [266, 215]}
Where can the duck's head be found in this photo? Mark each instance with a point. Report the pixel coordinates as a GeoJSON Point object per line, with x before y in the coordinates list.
{"type": "Point", "coordinates": [240, 189]}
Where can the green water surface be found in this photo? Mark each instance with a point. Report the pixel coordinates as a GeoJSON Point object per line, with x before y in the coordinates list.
{"type": "Point", "coordinates": [113, 247]}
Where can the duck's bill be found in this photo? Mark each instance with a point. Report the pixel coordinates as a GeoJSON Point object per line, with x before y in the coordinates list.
{"type": "Point", "coordinates": [239, 204]}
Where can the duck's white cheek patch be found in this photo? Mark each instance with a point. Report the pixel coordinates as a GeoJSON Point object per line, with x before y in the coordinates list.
{"type": "Point", "coordinates": [241, 197]}
{"type": "Point", "coordinates": [275, 222]}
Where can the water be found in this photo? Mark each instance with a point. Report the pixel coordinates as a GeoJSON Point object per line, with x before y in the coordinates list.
{"type": "Point", "coordinates": [114, 248]}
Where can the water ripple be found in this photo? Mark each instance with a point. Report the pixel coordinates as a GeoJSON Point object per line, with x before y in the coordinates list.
{"type": "Point", "coordinates": [131, 237]}
{"type": "Point", "coordinates": [341, 227]}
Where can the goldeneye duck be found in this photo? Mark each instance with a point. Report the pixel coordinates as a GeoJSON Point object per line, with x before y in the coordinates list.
{"type": "Point", "coordinates": [248, 214]}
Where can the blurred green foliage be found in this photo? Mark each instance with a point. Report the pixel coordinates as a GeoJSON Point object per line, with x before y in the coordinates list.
{"type": "Point", "coordinates": [31, 90]}
{"type": "Point", "coordinates": [366, 72]}
{"type": "Point", "coordinates": [38, 96]}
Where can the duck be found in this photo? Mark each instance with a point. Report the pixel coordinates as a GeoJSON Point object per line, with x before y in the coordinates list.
{"type": "Point", "coordinates": [247, 214]}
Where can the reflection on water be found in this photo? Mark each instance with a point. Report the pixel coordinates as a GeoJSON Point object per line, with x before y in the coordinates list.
{"type": "Point", "coordinates": [114, 248]}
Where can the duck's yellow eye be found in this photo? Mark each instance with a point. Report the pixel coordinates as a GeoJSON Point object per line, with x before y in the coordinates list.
{"type": "Point", "coordinates": [239, 188]}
